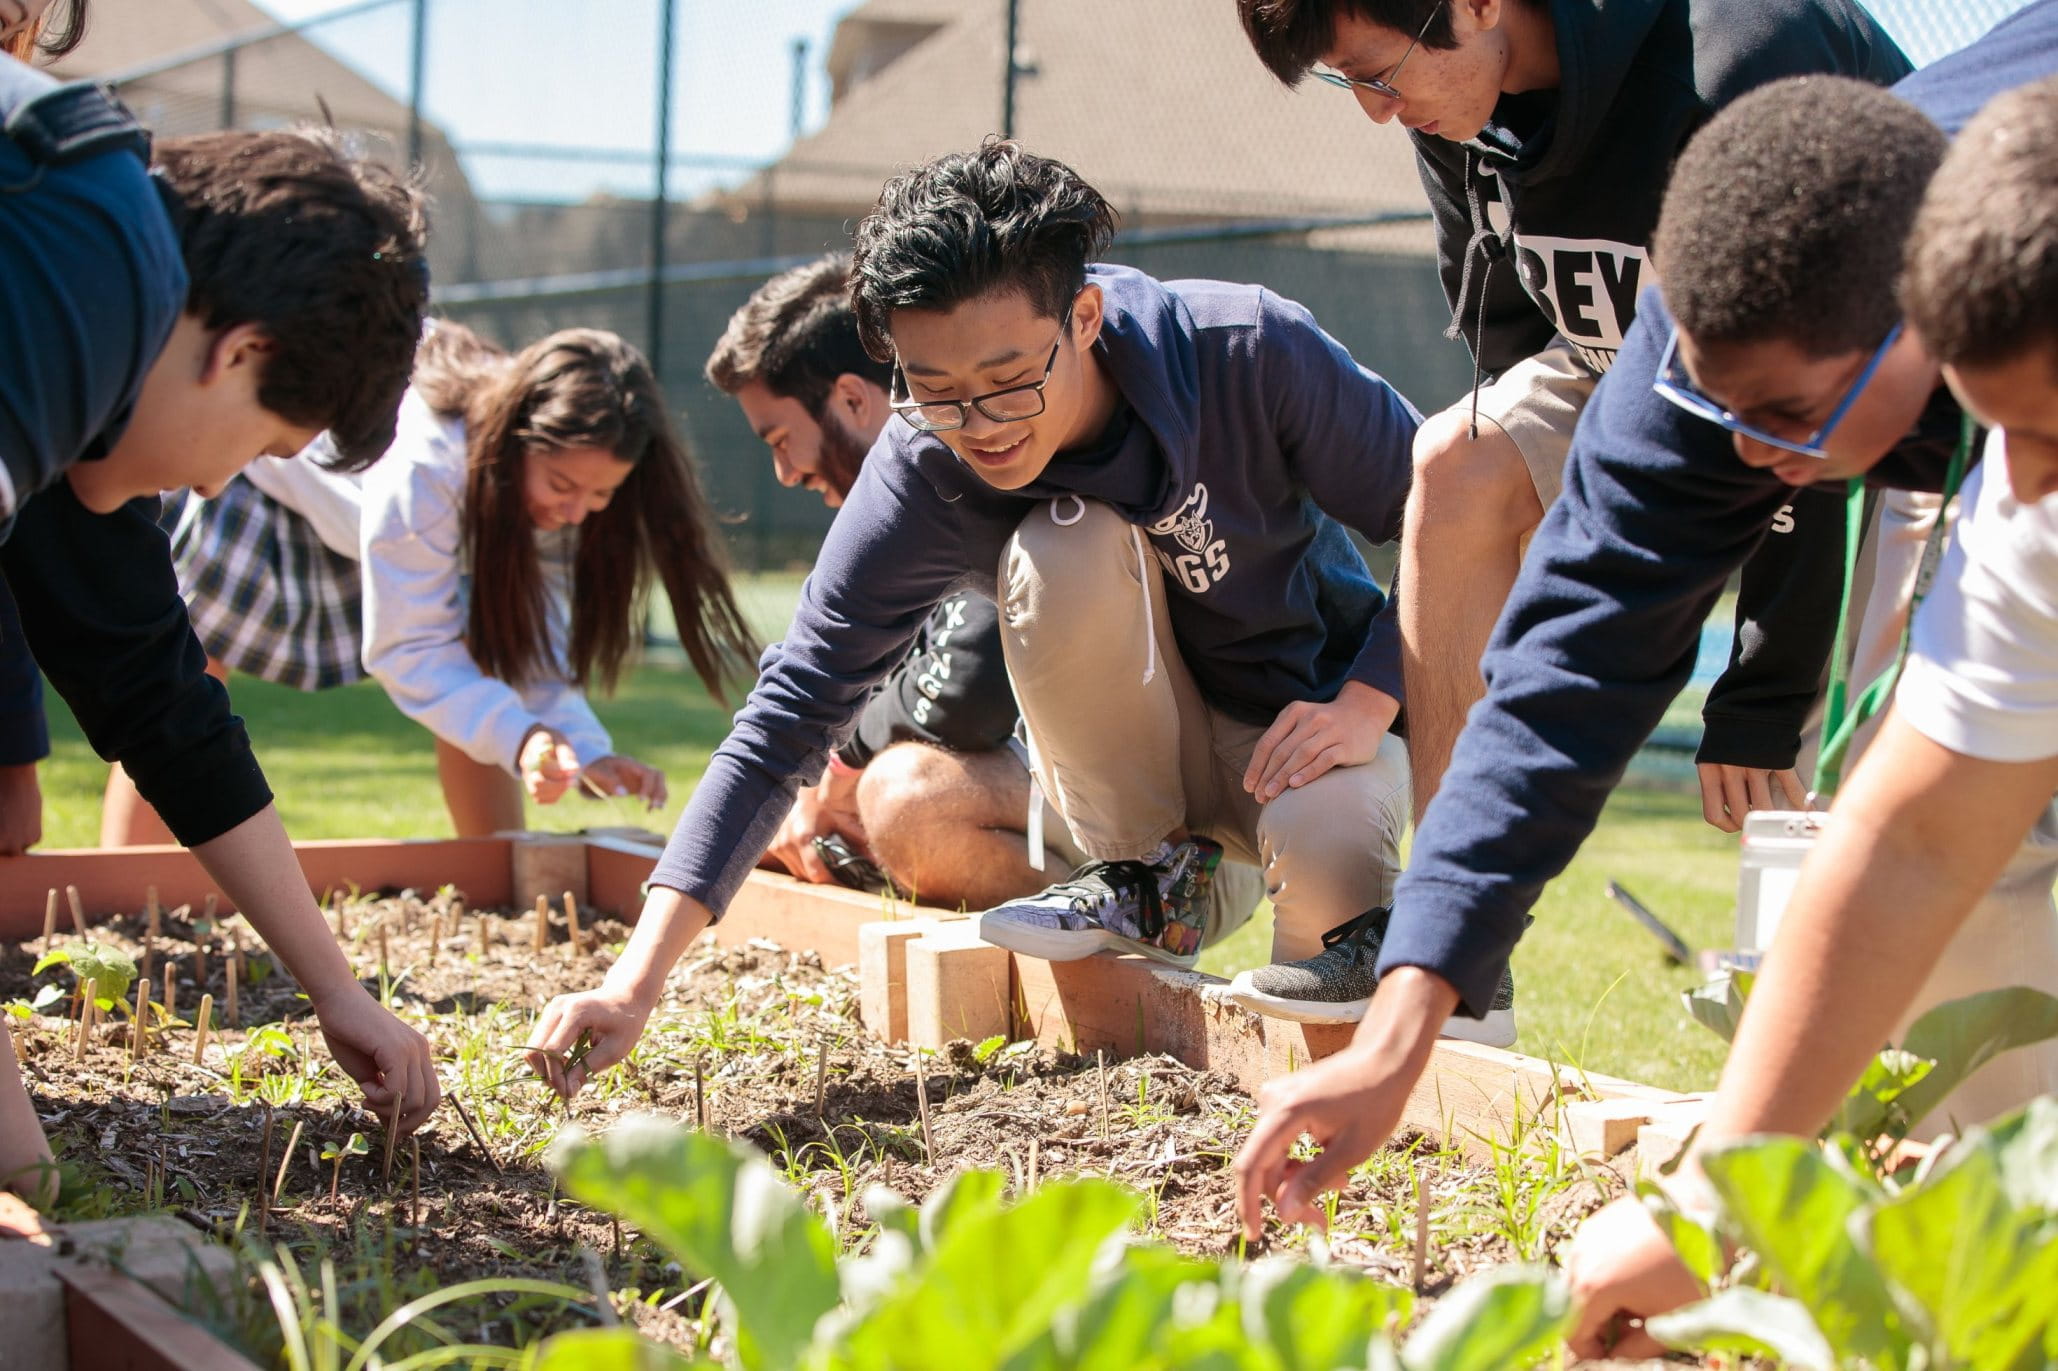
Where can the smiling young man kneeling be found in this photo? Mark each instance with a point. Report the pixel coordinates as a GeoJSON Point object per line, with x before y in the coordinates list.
{"type": "Point", "coordinates": [1153, 480]}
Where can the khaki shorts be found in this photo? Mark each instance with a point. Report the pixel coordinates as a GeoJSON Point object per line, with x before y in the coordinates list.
{"type": "Point", "coordinates": [1537, 402]}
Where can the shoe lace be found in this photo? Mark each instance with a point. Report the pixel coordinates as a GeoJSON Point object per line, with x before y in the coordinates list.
{"type": "Point", "coordinates": [1127, 877]}
{"type": "Point", "coordinates": [1361, 935]}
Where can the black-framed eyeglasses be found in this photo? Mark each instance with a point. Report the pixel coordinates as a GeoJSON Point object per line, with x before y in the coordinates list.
{"type": "Point", "coordinates": [1675, 385]}
{"type": "Point", "coordinates": [1381, 86]}
{"type": "Point", "coordinates": [1004, 406]}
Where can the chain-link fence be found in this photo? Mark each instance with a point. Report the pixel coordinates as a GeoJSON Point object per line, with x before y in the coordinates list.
{"type": "Point", "coordinates": [641, 165]}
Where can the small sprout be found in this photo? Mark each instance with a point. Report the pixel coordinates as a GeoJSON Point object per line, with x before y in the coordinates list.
{"type": "Point", "coordinates": [356, 1146]}
{"type": "Point", "coordinates": [983, 1053]}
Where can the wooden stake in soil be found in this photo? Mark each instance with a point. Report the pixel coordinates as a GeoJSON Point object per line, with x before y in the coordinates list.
{"type": "Point", "coordinates": [822, 1076]}
{"type": "Point", "coordinates": [232, 1017]}
{"type": "Point", "coordinates": [78, 1046]}
{"type": "Point", "coordinates": [700, 1093]}
{"type": "Point", "coordinates": [414, 1182]}
{"type": "Point", "coordinates": [78, 911]}
{"type": "Point", "coordinates": [171, 991]}
{"type": "Point", "coordinates": [286, 1162]}
{"type": "Point", "coordinates": [1035, 1160]}
{"type": "Point", "coordinates": [1421, 1227]}
{"type": "Point", "coordinates": [385, 967]}
{"type": "Point", "coordinates": [50, 919]}
{"type": "Point", "coordinates": [200, 966]}
{"type": "Point", "coordinates": [1100, 1058]}
{"type": "Point", "coordinates": [572, 922]}
{"type": "Point", "coordinates": [207, 907]}
{"type": "Point", "coordinates": [392, 1146]}
{"type": "Point", "coordinates": [200, 1022]}
{"type": "Point", "coordinates": [137, 1042]}
{"type": "Point", "coordinates": [465, 1116]}
{"type": "Point", "coordinates": [922, 1104]}
{"type": "Point", "coordinates": [153, 919]}
{"type": "Point", "coordinates": [264, 1171]}
{"type": "Point", "coordinates": [542, 921]}
{"type": "Point", "coordinates": [435, 936]}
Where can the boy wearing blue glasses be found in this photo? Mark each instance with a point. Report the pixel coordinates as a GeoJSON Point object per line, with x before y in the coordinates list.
{"type": "Point", "coordinates": [1544, 131]}
{"type": "Point", "coordinates": [1782, 270]}
{"type": "Point", "coordinates": [1967, 759]}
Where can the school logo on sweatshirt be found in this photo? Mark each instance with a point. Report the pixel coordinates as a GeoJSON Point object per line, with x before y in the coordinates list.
{"type": "Point", "coordinates": [1587, 286]}
{"type": "Point", "coordinates": [1202, 559]}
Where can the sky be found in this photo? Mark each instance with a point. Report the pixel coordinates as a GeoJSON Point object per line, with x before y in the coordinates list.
{"type": "Point", "coordinates": [583, 72]}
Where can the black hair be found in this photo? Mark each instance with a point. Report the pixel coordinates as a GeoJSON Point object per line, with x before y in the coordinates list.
{"type": "Point", "coordinates": [1290, 36]}
{"type": "Point", "coordinates": [320, 247]}
{"type": "Point", "coordinates": [972, 224]}
{"type": "Point", "coordinates": [1787, 214]}
{"type": "Point", "coordinates": [796, 334]}
{"type": "Point", "coordinates": [1981, 284]}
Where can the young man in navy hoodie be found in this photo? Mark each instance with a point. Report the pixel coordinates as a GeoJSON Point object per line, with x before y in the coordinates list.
{"type": "Point", "coordinates": [163, 321]}
{"type": "Point", "coordinates": [1967, 761]}
{"type": "Point", "coordinates": [1544, 131]}
{"type": "Point", "coordinates": [1661, 505]}
{"type": "Point", "coordinates": [1149, 478]}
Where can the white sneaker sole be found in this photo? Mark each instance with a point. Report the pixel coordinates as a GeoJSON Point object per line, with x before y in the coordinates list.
{"type": "Point", "coordinates": [1063, 945]}
{"type": "Point", "coordinates": [1497, 1029]}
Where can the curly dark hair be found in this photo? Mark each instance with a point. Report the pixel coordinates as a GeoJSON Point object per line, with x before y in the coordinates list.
{"type": "Point", "coordinates": [971, 224]}
{"type": "Point", "coordinates": [323, 249]}
{"type": "Point", "coordinates": [796, 333]}
{"type": "Point", "coordinates": [1981, 283]}
{"type": "Point", "coordinates": [1787, 215]}
{"type": "Point", "coordinates": [1290, 36]}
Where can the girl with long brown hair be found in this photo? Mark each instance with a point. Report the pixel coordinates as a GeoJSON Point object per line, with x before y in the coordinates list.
{"type": "Point", "coordinates": [490, 570]}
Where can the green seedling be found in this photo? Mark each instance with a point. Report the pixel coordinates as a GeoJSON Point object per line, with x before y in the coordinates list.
{"type": "Point", "coordinates": [355, 1146]}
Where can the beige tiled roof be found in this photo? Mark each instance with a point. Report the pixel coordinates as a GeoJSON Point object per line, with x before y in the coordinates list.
{"type": "Point", "coordinates": [1160, 103]}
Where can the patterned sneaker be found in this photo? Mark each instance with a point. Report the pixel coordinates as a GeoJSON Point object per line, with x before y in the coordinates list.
{"type": "Point", "coordinates": [1155, 907]}
{"type": "Point", "coordinates": [1335, 985]}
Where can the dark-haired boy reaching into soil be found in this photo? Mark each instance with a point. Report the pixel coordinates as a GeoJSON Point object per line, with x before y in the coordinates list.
{"type": "Point", "coordinates": [1153, 481]}
{"type": "Point", "coordinates": [1781, 361]}
{"type": "Point", "coordinates": [161, 326]}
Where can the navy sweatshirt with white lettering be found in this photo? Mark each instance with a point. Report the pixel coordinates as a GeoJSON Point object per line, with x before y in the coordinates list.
{"type": "Point", "coordinates": [1580, 171]}
{"type": "Point", "coordinates": [1252, 439]}
{"type": "Point", "coordinates": [1600, 631]}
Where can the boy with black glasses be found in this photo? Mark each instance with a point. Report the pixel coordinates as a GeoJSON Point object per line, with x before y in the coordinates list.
{"type": "Point", "coordinates": [1153, 481]}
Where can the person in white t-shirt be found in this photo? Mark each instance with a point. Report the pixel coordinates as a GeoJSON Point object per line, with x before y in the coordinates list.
{"type": "Point", "coordinates": [1966, 762]}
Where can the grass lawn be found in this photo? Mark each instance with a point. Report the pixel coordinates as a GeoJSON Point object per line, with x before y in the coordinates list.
{"type": "Point", "coordinates": [1591, 987]}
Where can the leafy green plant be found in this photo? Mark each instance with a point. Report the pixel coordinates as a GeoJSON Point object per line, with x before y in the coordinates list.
{"type": "Point", "coordinates": [966, 1280]}
{"type": "Point", "coordinates": [1903, 1084]}
{"type": "Point", "coordinates": [1955, 1269]}
{"type": "Point", "coordinates": [109, 971]}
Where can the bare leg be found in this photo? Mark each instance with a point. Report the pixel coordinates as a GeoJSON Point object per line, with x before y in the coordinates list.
{"type": "Point", "coordinates": [1471, 505]}
{"type": "Point", "coordinates": [482, 799]}
{"type": "Point", "coordinates": [949, 826]}
{"type": "Point", "coordinates": [126, 818]}
{"type": "Point", "coordinates": [26, 1166]}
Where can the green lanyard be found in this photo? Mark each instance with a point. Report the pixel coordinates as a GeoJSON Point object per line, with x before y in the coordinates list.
{"type": "Point", "coordinates": [1843, 716]}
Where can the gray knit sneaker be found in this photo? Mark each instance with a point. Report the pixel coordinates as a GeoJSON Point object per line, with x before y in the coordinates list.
{"type": "Point", "coordinates": [1156, 907]}
{"type": "Point", "coordinates": [1336, 984]}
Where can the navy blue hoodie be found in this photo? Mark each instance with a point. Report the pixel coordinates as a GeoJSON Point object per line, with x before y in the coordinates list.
{"type": "Point", "coordinates": [1253, 434]}
{"type": "Point", "coordinates": [1599, 633]}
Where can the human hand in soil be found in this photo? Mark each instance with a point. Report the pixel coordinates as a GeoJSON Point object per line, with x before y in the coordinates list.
{"type": "Point", "coordinates": [21, 809]}
{"type": "Point", "coordinates": [547, 764]}
{"type": "Point", "coordinates": [617, 775]}
{"type": "Point", "coordinates": [1728, 793]}
{"type": "Point", "coordinates": [818, 811]}
{"type": "Point", "coordinates": [1623, 1269]}
{"type": "Point", "coordinates": [607, 1022]}
{"type": "Point", "coordinates": [1308, 738]}
{"type": "Point", "coordinates": [390, 1062]}
{"type": "Point", "coordinates": [1348, 1103]}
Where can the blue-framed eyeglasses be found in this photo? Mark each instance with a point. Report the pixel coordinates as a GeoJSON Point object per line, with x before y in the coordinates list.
{"type": "Point", "coordinates": [1675, 385]}
{"type": "Point", "coordinates": [1380, 86]}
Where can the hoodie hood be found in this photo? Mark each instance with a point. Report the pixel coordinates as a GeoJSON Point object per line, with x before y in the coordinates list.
{"type": "Point", "coordinates": [1597, 42]}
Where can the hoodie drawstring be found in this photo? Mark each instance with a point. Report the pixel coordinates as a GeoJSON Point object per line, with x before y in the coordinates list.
{"type": "Point", "coordinates": [1150, 624]}
{"type": "Point", "coordinates": [1486, 244]}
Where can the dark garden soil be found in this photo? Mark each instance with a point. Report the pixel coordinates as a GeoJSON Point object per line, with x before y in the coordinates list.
{"type": "Point", "coordinates": [165, 1133]}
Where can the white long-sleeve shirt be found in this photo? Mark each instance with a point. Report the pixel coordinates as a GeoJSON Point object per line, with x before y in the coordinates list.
{"type": "Point", "coordinates": [416, 594]}
{"type": "Point", "coordinates": [332, 502]}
